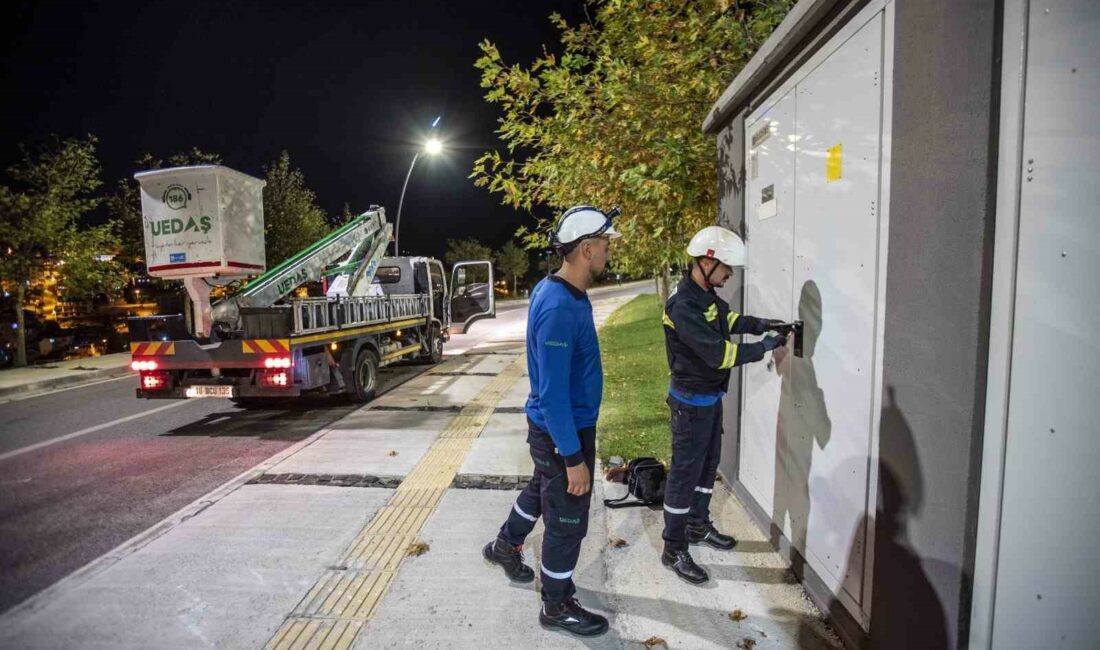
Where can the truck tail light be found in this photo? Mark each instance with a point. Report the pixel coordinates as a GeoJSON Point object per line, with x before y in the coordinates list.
{"type": "Point", "coordinates": [277, 362]}
{"type": "Point", "coordinates": [154, 380]}
{"type": "Point", "coordinates": [275, 379]}
{"type": "Point", "coordinates": [141, 365]}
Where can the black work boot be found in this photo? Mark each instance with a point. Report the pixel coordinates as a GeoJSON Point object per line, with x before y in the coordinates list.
{"type": "Point", "coordinates": [680, 561]}
{"type": "Point", "coordinates": [706, 533]}
{"type": "Point", "coordinates": [572, 618]}
{"type": "Point", "coordinates": [510, 558]}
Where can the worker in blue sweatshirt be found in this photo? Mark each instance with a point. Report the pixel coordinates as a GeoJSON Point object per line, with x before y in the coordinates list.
{"type": "Point", "coordinates": [563, 361]}
{"type": "Point", "coordinates": [698, 326]}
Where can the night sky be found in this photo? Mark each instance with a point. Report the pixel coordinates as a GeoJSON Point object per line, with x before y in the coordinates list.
{"type": "Point", "coordinates": [348, 89]}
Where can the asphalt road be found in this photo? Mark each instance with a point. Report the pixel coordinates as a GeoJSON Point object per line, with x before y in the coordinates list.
{"type": "Point", "coordinates": [66, 503]}
{"type": "Point", "coordinates": [83, 470]}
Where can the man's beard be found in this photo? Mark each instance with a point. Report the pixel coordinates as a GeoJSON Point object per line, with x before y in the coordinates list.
{"type": "Point", "coordinates": [597, 275]}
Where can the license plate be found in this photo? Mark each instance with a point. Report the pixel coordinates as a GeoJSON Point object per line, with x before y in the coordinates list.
{"type": "Point", "coordinates": [209, 391]}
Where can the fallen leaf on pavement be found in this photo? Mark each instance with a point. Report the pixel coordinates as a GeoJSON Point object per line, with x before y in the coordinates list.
{"type": "Point", "coordinates": [393, 452]}
{"type": "Point", "coordinates": [618, 543]}
{"type": "Point", "coordinates": [654, 641]}
{"type": "Point", "coordinates": [418, 548]}
{"type": "Point", "coordinates": [737, 616]}
{"type": "Point", "coordinates": [746, 644]}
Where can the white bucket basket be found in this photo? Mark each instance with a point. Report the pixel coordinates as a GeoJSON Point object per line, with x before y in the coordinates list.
{"type": "Point", "coordinates": [203, 221]}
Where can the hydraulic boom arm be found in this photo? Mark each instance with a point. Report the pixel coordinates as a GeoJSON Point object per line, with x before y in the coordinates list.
{"type": "Point", "coordinates": [360, 243]}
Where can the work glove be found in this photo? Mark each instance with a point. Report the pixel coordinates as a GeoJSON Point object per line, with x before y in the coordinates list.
{"type": "Point", "coordinates": [770, 324]}
{"type": "Point", "coordinates": [774, 341]}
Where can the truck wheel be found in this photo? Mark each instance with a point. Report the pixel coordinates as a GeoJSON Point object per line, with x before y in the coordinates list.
{"type": "Point", "coordinates": [435, 347]}
{"type": "Point", "coordinates": [364, 377]}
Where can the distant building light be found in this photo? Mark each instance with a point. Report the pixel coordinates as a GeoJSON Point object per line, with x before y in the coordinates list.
{"type": "Point", "coordinates": [104, 258]}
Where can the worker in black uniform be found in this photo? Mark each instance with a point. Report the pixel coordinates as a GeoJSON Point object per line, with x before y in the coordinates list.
{"type": "Point", "coordinates": [698, 326]}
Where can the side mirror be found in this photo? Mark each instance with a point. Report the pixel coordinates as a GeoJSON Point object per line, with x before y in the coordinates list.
{"type": "Point", "coordinates": [472, 297]}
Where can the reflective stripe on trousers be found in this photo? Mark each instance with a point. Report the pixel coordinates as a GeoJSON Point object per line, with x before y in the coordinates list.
{"type": "Point", "coordinates": [564, 515]}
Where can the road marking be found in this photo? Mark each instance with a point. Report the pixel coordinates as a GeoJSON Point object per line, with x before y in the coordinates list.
{"type": "Point", "coordinates": [82, 432]}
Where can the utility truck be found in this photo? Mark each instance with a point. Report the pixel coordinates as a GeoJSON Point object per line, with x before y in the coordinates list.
{"type": "Point", "coordinates": [266, 338]}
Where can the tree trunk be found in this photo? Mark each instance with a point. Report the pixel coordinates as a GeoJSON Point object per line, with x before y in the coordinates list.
{"type": "Point", "coordinates": [664, 284]}
{"type": "Point", "coordinates": [515, 287]}
{"type": "Point", "coordinates": [20, 326]}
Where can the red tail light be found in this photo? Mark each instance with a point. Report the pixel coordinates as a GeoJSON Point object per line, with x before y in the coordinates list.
{"type": "Point", "coordinates": [141, 365]}
{"type": "Point", "coordinates": [279, 379]}
{"type": "Point", "coordinates": [154, 380]}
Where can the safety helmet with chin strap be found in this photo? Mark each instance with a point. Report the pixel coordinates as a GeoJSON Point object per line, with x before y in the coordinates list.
{"type": "Point", "coordinates": [582, 222]}
{"type": "Point", "coordinates": [717, 243]}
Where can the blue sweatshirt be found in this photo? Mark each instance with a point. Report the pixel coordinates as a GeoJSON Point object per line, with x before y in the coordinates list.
{"type": "Point", "coordinates": [563, 361]}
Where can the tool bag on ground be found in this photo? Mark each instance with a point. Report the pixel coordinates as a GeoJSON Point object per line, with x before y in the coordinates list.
{"type": "Point", "coordinates": [645, 481]}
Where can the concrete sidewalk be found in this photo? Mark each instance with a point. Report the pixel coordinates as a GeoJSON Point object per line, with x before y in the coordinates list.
{"type": "Point", "coordinates": [32, 379]}
{"type": "Point", "coordinates": [291, 555]}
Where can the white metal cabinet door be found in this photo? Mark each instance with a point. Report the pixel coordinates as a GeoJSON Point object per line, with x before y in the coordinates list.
{"type": "Point", "coordinates": [769, 224]}
{"type": "Point", "coordinates": [826, 410]}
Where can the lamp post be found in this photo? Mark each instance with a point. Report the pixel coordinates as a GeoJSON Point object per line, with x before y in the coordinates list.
{"type": "Point", "coordinates": [431, 147]}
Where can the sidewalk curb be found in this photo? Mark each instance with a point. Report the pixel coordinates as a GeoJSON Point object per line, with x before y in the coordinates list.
{"type": "Point", "coordinates": [65, 381]}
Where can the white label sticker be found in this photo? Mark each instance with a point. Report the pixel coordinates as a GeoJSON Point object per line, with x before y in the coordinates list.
{"type": "Point", "coordinates": [769, 205]}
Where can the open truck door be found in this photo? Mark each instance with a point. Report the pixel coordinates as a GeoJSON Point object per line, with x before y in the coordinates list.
{"type": "Point", "coordinates": [472, 297]}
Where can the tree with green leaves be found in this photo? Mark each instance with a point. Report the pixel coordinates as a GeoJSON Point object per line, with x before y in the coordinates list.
{"type": "Point", "coordinates": [614, 119]}
{"type": "Point", "coordinates": [292, 218]}
{"type": "Point", "coordinates": [512, 260]}
{"type": "Point", "coordinates": [124, 203]}
{"type": "Point", "coordinates": [40, 215]}
{"type": "Point", "coordinates": [459, 250]}
{"type": "Point", "coordinates": [469, 249]}
{"type": "Point", "coordinates": [345, 216]}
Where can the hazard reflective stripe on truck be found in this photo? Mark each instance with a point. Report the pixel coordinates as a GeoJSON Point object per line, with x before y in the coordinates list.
{"type": "Point", "coordinates": [152, 349]}
{"type": "Point", "coordinates": [265, 346]}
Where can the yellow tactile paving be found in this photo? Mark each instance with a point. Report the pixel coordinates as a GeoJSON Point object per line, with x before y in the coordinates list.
{"type": "Point", "coordinates": [334, 610]}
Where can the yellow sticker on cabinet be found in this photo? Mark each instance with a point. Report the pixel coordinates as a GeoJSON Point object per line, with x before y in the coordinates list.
{"type": "Point", "coordinates": [832, 163]}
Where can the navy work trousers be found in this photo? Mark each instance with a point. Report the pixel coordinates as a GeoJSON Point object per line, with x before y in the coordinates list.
{"type": "Point", "coordinates": [564, 515]}
{"type": "Point", "coordinates": [696, 448]}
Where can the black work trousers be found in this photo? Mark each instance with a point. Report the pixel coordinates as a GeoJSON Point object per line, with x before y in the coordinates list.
{"type": "Point", "coordinates": [564, 515]}
{"type": "Point", "coordinates": [696, 448]}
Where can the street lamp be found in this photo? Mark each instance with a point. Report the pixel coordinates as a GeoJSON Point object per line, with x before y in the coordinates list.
{"type": "Point", "coordinates": [432, 147]}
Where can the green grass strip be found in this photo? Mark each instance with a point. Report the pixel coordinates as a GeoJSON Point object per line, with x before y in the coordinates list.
{"type": "Point", "coordinates": [634, 418]}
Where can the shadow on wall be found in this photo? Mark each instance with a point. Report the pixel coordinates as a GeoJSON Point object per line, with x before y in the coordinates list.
{"type": "Point", "coordinates": [731, 179]}
{"type": "Point", "coordinates": [906, 612]}
{"type": "Point", "coordinates": [803, 422]}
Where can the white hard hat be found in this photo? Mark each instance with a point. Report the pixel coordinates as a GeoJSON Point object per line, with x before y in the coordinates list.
{"type": "Point", "coordinates": [718, 243]}
{"type": "Point", "coordinates": [583, 222]}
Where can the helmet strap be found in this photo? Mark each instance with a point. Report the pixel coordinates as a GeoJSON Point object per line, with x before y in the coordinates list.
{"type": "Point", "coordinates": [706, 274]}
